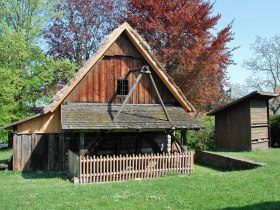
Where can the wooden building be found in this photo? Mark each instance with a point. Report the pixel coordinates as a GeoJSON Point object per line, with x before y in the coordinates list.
{"type": "Point", "coordinates": [244, 123]}
{"type": "Point", "coordinates": [120, 102]}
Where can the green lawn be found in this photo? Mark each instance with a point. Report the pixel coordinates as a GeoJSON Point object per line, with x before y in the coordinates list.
{"type": "Point", "coordinates": [205, 189]}
{"type": "Point", "coordinates": [5, 155]}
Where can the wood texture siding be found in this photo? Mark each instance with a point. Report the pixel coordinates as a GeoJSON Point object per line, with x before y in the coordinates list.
{"type": "Point", "coordinates": [260, 133]}
{"type": "Point", "coordinates": [233, 128]}
{"type": "Point", "coordinates": [259, 118]}
{"type": "Point", "coordinates": [40, 152]}
{"type": "Point", "coordinates": [258, 110]}
{"type": "Point", "coordinates": [49, 123]}
{"type": "Point", "coordinates": [100, 84]}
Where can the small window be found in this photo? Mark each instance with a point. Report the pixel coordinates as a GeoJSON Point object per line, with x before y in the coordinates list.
{"type": "Point", "coordinates": [122, 87]}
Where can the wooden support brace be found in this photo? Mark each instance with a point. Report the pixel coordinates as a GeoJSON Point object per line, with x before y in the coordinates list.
{"type": "Point", "coordinates": [130, 92]}
{"type": "Point", "coordinates": [143, 70]}
{"type": "Point", "coordinates": [177, 143]}
{"type": "Point", "coordinates": [159, 98]}
{"type": "Point", "coordinates": [184, 137]}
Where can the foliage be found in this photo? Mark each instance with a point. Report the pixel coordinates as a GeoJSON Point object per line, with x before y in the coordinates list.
{"type": "Point", "coordinates": [25, 16]}
{"type": "Point", "coordinates": [205, 189]}
{"type": "Point", "coordinates": [275, 130]}
{"type": "Point", "coordinates": [180, 34]}
{"type": "Point", "coordinates": [76, 34]}
{"type": "Point", "coordinates": [205, 138]}
{"type": "Point", "coordinates": [25, 72]}
{"type": "Point", "coordinates": [265, 67]}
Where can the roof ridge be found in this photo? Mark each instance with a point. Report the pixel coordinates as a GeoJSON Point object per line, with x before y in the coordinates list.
{"type": "Point", "coordinates": [103, 46]}
{"type": "Point", "coordinates": [84, 66]}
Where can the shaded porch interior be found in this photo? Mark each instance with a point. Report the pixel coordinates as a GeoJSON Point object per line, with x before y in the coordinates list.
{"type": "Point", "coordinates": [126, 143]}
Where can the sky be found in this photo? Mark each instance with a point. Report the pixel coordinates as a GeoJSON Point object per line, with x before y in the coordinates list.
{"type": "Point", "coordinates": [251, 18]}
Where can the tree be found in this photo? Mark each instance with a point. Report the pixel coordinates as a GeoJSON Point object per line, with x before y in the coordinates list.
{"type": "Point", "coordinates": [25, 16]}
{"type": "Point", "coordinates": [25, 72]}
{"type": "Point", "coordinates": [238, 90]}
{"type": "Point", "coordinates": [265, 66]}
{"type": "Point", "coordinates": [76, 35]}
{"type": "Point", "coordinates": [180, 34]}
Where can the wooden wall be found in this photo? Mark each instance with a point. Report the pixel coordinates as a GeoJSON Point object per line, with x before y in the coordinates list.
{"type": "Point", "coordinates": [49, 152]}
{"type": "Point", "coordinates": [48, 123]}
{"type": "Point", "coordinates": [233, 127]}
{"type": "Point", "coordinates": [37, 152]}
{"type": "Point", "coordinates": [100, 84]}
{"type": "Point", "coordinates": [259, 120]}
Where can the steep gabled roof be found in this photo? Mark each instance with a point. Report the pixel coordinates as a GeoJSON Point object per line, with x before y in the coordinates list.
{"type": "Point", "coordinates": [145, 51]}
{"type": "Point", "coordinates": [255, 95]}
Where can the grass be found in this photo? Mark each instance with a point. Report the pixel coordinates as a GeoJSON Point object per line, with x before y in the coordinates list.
{"type": "Point", "coordinates": [5, 154]}
{"type": "Point", "coordinates": [205, 189]}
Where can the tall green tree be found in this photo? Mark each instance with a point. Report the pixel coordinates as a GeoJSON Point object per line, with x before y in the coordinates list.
{"type": "Point", "coordinates": [27, 76]}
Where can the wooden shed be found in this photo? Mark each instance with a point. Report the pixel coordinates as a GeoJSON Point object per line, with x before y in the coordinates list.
{"type": "Point", "coordinates": [121, 102]}
{"type": "Point", "coordinates": [244, 123]}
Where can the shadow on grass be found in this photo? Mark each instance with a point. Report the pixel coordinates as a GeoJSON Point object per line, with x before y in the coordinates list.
{"type": "Point", "coordinates": [5, 161]}
{"type": "Point", "coordinates": [43, 175]}
{"type": "Point", "coordinates": [266, 205]}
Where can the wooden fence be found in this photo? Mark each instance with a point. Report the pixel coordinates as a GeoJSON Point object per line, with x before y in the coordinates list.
{"type": "Point", "coordinates": [118, 168]}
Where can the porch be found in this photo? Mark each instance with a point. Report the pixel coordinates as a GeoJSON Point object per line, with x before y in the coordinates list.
{"type": "Point", "coordinates": [90, 169]}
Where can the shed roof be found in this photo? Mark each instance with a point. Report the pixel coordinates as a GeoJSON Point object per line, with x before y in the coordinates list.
{"type": "Point", "coordinates": [254, 95]}
{"type": "Point", "coordinates": [134, 116]}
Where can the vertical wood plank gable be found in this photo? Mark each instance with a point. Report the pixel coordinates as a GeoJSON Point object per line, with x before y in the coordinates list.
{"type": "Point", "coordinates": [122, 57]}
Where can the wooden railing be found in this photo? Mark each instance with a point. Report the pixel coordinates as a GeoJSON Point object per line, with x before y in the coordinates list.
{"type": "Point", "coordinates": [118, 168]}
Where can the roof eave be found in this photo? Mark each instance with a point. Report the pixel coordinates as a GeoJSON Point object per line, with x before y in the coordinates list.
{"type": "Point", "coordinates": [268, 95]}
{"type": "Point", "coordinates": [11, 125]}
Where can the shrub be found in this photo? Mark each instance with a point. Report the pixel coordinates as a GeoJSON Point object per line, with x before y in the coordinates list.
{"type": "Point", "coordinates": [3, 136]}
{"type": "Point", "coordinates": [205, 138]}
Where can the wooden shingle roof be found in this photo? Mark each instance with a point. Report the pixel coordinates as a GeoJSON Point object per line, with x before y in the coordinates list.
{"type": "Point", "coordinates": [134, 117]}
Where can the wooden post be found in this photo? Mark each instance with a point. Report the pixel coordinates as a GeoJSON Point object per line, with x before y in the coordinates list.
{"type": "Point", "coordinates": [269, 132]}
{"type": "Point", "coordinates": [158, 96]}
{"type": "Point", "coordinates": [10, 140]}
{"type": "Point", "coordinates": [184, 137]}
{"type": "Point", "coordinates": [82, 143]}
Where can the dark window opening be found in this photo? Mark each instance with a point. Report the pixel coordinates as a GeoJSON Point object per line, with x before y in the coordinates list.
{"type": "Point", "coordinates": [122, 86]}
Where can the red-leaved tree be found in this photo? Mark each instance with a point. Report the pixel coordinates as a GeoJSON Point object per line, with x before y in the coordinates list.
{"type": "Point", "coordinates": [76, 34]}
{"type": "Point", "coordinates": [181, 35]}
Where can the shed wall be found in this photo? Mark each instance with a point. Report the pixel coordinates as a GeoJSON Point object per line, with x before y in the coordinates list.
{"type": "Point", "coordinates": [233, 128]}
{"type": "Point", "coordinates": [259, 120]}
